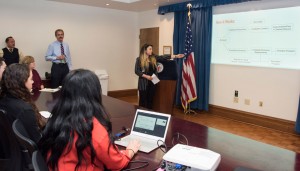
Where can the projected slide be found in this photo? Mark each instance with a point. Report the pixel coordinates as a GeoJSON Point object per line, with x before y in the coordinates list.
{"type": "Point", "coordinates": [266, 38]}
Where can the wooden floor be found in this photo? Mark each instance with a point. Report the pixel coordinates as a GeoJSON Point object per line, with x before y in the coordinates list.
{"type": "Point", "coordinates": [258, 133]}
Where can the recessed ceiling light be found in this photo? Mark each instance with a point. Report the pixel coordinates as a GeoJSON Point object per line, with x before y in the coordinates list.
{"type": "Point", "coordinates": [107, 4]}
{"type": "Point", "coordinates": [127, 1]}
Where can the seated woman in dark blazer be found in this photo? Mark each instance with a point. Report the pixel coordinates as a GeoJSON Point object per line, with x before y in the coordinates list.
{"type": "Point", "coordinates": [78, 136]}
{"type": "Point", "coordinates": [15, 99]}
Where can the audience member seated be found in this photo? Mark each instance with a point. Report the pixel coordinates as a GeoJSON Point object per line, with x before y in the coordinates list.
{"type": "Point", "coordinates": [15, 99]}
{"type": "Point", "coordinates": [37, 81]}
{"type": "Point", "coordinates": [10, 53]}
{"type": "Point", "coordinates": [78, 136]}
{"type": "Point", "coordinates": [2, 67]}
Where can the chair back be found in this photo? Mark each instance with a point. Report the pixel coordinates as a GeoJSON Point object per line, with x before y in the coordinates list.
{"type": "Point", "coordinates": [10, 152]}
{"type": "Point", "coordinates": [23, 137]}
{"type": "Point", "coordinates": [38, 162]}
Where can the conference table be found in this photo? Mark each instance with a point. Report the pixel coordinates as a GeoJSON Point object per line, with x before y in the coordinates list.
{"type": "Point", "coordinates": [236, 151]}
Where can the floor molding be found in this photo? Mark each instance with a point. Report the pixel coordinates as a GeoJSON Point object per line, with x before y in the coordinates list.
{"type": "Point", "coordinates": [238, 115]}
{"type": "Point", "coordinates": [122, 93]}
{"type": "Point", "coordinates": [252, 118]}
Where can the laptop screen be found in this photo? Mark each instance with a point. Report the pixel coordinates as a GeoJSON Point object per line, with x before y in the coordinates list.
{"type": "Point", "coordinates": [150, 124]}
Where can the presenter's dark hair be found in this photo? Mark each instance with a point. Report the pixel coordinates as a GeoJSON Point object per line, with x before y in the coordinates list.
{"type": "Point", "coordinates": [80, 101]}
{"type": "Point", "coordinates": [144, 48]}
{"type": "Point", "coordinates": [7, 39]}
{"type": "Point", "coordinates": [144, 59]}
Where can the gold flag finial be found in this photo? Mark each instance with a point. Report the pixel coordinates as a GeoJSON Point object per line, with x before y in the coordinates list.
{"type": "Point", "coordinates": [189, 5]}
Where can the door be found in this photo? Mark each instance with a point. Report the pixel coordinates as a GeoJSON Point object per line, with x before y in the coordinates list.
{"type": "Point", "coordinates": [150, 36]}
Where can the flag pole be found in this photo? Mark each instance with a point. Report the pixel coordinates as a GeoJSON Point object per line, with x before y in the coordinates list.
{"type": "Point", "coordinates": [188, 109]}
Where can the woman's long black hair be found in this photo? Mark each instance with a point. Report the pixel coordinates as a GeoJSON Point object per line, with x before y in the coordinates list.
{"type": "Point", "coordinates": [80, 101]}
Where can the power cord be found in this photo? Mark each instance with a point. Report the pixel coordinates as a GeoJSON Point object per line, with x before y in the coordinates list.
{"type": "Point", "coordinates": [145, 164]}
{"type": "Point", "coordinates": [175, 139]}
{"type": "Point", "coordinates": [178, 140]}
{"type": "Point", "coordinates": [163, 147]}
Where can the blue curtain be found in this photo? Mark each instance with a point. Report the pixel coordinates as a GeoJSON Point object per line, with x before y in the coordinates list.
{"type": "Point", "coordinates": [202, 31]}
{"type": "Point", "coordinates": [298, 119]}
{"type": "Point", "coordinates": [196, 4]}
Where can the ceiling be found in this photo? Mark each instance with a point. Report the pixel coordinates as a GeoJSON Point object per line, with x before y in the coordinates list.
{"type": "Point", "coordinates": [126, 5]}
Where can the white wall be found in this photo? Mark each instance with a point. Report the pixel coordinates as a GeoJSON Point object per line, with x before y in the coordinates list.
{"type": "Point", "coordinates": [279, 89]}
{"type": "Point", "coordinates": [165, 23]}
{"type": "Point", "coordinates": [99, 38]}
{"type": "Point", "coordinates": [108, 39]}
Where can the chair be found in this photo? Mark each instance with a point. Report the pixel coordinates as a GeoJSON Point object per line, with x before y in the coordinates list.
{"type": "Point", "coordinates": [38, 162]}
{"type": "Point", "coordinates": [23, 137]}
{"type": "Point", "coordinates": [4, 164]}
{"type": "Point", "coordinates": [10, 152]}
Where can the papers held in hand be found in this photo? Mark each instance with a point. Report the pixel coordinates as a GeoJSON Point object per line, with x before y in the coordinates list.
{"type": "Point", "coordinates": [155, 79]}
{"type": "Point", "coordinates": [45, 114]}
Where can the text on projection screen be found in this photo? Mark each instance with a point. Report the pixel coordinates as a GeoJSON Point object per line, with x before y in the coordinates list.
{"type": "Point", "coordinates": [266, 38]}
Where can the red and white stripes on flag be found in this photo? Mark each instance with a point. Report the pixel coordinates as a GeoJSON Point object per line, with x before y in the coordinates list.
{"type": "Point", "coordinates": [188, 86]}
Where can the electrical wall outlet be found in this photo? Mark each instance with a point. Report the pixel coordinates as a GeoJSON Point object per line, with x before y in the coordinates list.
{"type": "Point", "coordinates": [235, 100]}
{"type": "Point", "coordinates": [236, 93]}
{"type": "Point", "coordinates": [247, 101]}
{"type": "Point", "coordinates": [260, 103]}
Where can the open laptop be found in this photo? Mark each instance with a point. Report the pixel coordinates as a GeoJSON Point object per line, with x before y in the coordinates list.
{"type": "Point", "coordinates": [148, 127]}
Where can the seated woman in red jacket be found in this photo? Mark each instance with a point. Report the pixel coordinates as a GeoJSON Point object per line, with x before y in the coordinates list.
{"type": "Point", "coordinates": [78, 136]}
{"type": "Point", "coordinates": [37, 81]}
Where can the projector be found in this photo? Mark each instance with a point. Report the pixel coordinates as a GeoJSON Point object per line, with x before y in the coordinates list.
{"type": "Point", "coordinates": [188, 158]}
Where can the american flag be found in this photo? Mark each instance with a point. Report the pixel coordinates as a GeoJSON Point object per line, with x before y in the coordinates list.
{"type": "Point", "coordinates": [188, 86]}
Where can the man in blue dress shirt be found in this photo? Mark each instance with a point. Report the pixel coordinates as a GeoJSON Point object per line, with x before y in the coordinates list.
{"type": "Point", "coordinates": [59, 54]}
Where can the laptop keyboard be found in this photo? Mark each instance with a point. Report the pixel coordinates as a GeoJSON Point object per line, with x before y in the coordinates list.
{"type": "Point", "coordinates": [143, 141]}
{"type": "Point", "coordinates": [146, 144]}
